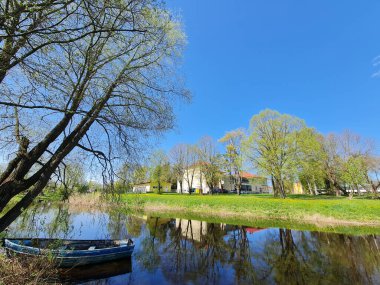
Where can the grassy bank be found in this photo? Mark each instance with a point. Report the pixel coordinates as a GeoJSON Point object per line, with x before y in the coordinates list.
{"type": "Point", "coordinates": [15, 271]}
{"type": "Point", "coordinates": [324, 213]}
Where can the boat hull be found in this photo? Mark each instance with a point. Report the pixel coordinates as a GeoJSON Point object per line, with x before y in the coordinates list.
{"type": "Point", "coordinates": [70, 258]}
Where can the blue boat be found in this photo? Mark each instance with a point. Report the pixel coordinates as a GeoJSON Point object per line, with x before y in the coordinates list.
{"type": "Point", "coordinates": [70, 253]}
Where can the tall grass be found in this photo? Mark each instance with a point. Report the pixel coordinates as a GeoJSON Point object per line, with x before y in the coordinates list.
{"type": "Point", "coordinates": [30, 271]}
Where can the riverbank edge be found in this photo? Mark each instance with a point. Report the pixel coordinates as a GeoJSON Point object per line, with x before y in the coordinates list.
{"type": "Point", "coordinates": [239, 215]}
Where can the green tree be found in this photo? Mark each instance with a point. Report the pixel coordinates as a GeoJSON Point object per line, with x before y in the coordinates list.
{"type": "Point", "coordinates": [140, 174]}
{"type": "Point", "coordinates": [125, 177]}
{"type": "Point", "coordinates": [233, 158]}
{"type": "Point", "coordinates": [353, 173]}
{"type": "Point", "coordinates": [311, 171]}
{"type": "Point", "coordinates": [73, 179]}
{"type": "Point", "coordinates": [272, 147]}
{"type": "Point", "coordinates": [159, 169]}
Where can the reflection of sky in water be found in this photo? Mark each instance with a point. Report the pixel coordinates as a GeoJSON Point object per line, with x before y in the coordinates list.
{"type": "Point", "coordinates": [178, 251]}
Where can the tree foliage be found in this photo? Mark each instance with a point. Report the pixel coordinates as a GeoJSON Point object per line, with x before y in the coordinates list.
{"type": "Point", "coordinates": [233, 157]}
{"type": "Point", "coordinates": [159, 169]}
{"type": "Point", "coordinates": [311, 156]}
{"type": "Point", "coordinates": [273, 145]}
{"type": "Point", "coordinates": [94, 76]}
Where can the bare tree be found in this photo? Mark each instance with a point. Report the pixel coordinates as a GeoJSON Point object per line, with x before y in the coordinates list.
{"type": "Point", "coordinates": [372, 174]}
{"type": "Point", "coordinates": [332, 164]}
{"type": "Point", "coordinates": [177, 157]}
{"type": "Point", "coordinates": [209, 162]}
{"type": "Point", "coordinates": [346, 161]}
{"type": "Point", "coordinates": [100, 94]}
{"type": "Point", "coordinates": [190, 160]}
{"type": "Point", "coordinates": [355, 154]}
{"type": "Point", "coordinates": [31, 27]}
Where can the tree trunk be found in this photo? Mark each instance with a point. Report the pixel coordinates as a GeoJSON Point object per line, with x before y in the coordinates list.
{"type": "Point", "coordinates": [40, 179]}
{"type": "Point", "coordinates": [201, 180]}
{"type": "Point", "coordinates": [275, 189]}
{"type": "Point", "coordinates": [315, 189]}
{"type": "Point", "coordinates": [25, 202]}
{"type": "Point", "coordinates": [282, 189]}
{"type": "Point", "coordinates": [374, 189]}
{"type": "Point", "coordinates": [358, 190]}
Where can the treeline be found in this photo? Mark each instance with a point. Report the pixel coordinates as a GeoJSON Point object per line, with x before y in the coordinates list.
{"type": "Point", "coordinates": [287, 150]}
{"type": "Point", "coordinates": [71, 179]}
{"type": "Point", "coordinates": [279, 146]}
{"type": "Point", "coordinates": [181, 164]}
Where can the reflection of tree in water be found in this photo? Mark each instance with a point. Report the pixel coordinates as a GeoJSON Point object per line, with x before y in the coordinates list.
{"type": "Point", "coordinates": [349, 259]}
{"type": "Point", "coordinates": [196, 253]}
{"type": "Point", "coordinates": [240, 256]}
{"type": "Point", "coordinates": [117, 224]}
{"type": "Point", "coordinates": [61, 222]}
{"type": "Point", "coordinates": [151, 250]}
{"type": "Point", "coordinates": [52, 221]}
{"type": "Point", "coordinates": [134, 225]}
{"type": "Point", "coordinates": [320, 258]}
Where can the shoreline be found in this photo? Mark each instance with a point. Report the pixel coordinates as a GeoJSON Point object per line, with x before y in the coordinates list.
{"type": "Point", "coordinates": [298, 214]}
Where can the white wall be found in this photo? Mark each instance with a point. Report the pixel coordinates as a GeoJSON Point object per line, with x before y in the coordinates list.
{"type": "Point", "coordinates": [141, 188]}
{"type": "Point", "coordinates": [196, 182]}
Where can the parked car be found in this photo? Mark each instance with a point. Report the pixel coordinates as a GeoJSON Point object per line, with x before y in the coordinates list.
{"type": "Point", "coordinates": [219, 191]}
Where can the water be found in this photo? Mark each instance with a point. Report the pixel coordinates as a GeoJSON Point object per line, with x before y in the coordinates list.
{"type": "Point", "coordinates": [180, 251]}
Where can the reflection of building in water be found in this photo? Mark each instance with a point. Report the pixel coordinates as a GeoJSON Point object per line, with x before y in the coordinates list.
{"type": "Point", "coordinates": [227, 228]}
{"type": "Point", "coordinates": [192, 229]}
{"type": "Point", "coordinates": [195, 230]}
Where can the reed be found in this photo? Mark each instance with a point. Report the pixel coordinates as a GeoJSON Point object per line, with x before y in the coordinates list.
{"type": "Point", "coordinates": [30, 271]}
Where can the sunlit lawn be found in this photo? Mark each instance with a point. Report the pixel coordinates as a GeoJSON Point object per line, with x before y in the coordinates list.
{"type": "Point", "coordinates": [296, 208]}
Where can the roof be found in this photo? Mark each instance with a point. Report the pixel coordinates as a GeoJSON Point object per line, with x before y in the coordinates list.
{"type": "Point", "coordinates": [248, 175]}
{"type": "Point", "coordinates": [253, 230]}
{"type": "Point", "coordinates": [142, 184]}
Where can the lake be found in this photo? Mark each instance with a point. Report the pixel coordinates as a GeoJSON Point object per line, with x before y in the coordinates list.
{"type": "Point", "coordinates": [181, 251]}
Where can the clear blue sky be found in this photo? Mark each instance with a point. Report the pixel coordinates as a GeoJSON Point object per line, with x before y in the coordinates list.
{"type": "Point", "coordinates": [312, 59]}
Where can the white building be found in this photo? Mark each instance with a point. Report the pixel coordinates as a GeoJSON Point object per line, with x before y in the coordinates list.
{"type": "Point", "coordinates": [141, 188]}
{"type": "Point", "coordinates": [192, 229]}
{"type": "Point", "coordinates": [151, 187]}
{"type": "Point", "coordinates": [195, 179]}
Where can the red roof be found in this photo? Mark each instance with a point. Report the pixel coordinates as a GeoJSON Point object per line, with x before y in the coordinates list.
{"type": "Point", "coordinates": [248, 175]}
{"type": "Point", "coordinates": [253, 230]}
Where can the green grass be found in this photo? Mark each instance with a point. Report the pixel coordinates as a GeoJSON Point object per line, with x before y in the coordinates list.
{"type": "Point", "coordinates": [326, 213]}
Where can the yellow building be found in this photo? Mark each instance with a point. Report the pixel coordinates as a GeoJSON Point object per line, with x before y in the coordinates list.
{"type": "Point", "coordinates": [297, 188]}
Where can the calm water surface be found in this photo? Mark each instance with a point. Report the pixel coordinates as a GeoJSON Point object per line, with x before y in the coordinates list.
{"type": "Point", "coordinates": [180, 251]}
